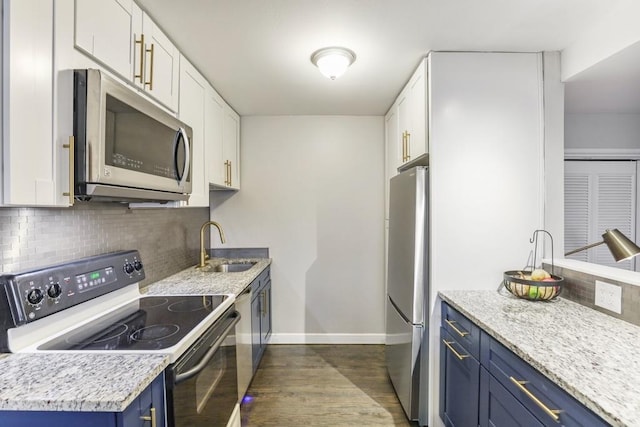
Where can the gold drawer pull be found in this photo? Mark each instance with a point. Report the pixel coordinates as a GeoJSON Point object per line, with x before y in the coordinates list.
{"type": "Point", "coordinates": [458, 355]}
{"type": "Point", "coordinates": [553, 413]}
{"type": "Point", "coordinates": [151, 417]}
{"type": "Point", "coordinates": [451, 323]}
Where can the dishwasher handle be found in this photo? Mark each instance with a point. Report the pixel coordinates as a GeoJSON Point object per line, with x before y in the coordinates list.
{"type": "Point", "coordinates": [207, 357]}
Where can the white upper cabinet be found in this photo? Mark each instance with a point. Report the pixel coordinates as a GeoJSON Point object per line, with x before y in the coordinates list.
{"type": "Point", "coordinates": [214, 109]}
{"type": "Point", "coordinates": [193, 90]}
{"type": "Point", "coordinates": [156, 60]}
{"type": "Point", "coordinates": [231, 147]}
{"type": "Point", "coordinates": [104, 31]}
{"type": "Point", "coordinates": [30, 158]}
{"type": "Point", "coordinates": [392, 152]}
{"type": "Point", "coordinates": [410, 137]}
{"type": "Point", "coordinates": [123, 38]}
{"type": "Point", "coordinates": [223, 138]}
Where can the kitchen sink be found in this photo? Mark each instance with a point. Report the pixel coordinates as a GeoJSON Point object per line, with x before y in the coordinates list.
{"type": "Point", "coordinates": [235, 267]}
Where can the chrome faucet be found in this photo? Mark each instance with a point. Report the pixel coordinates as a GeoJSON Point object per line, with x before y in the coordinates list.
{"type": "Point", "coordinates": [203, 253]}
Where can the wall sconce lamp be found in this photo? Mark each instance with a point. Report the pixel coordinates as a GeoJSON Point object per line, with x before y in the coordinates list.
{"type": "Point", "coordinates": [620, 246]}
{"type": "Point", "coordinates": [333, 61]}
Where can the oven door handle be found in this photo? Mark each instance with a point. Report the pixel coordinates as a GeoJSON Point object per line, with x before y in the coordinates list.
{"type": "Point", "coordinates": [207, 357]}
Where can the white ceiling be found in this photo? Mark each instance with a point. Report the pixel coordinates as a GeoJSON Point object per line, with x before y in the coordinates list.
{"type": "Point", "coordinates": [256, 52]}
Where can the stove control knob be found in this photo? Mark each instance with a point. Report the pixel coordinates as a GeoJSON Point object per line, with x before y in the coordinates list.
{"type": "Point", "coordinates": [128, 268]}
{"type": "Point", "coordinates": [54, 290]}
{"type": "Point", "coordinates": [35, 296]}
{"type": "Point", "coordinates": [137, 265]}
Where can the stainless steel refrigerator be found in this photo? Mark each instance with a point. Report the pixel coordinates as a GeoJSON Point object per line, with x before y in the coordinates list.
{"type": "Point", "coordinates": [406, 342]}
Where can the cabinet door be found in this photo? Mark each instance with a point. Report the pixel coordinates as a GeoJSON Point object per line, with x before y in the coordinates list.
{"type": "Point", "coordinates": [192, 111]}
{"type": "Point", "coordinates": [255, 332]}
{"type": "Point", "coordinates": [392, 151]}
{"type": "Point", "coordinates": [103, 30]}
{"type": "Point", "coordinates": [147, 409]}
{"type": "Point", "coordinates": [404, 125]}
{"type": "Point", "coordinates": [214, 111]}
{"type": "Point", "coordinates": [412, 116]}
{"type": "Point", "coordinates": [265, 315]}
{"type": "Point", "coordinates": [30, 158]}
{"type": "Point", "coordinates": [417, 92]}
{"type": "Point", "coordinates": [160, 64]}
{"type": "Point", "coordinates": [498, 407]}
{"type": "Point", "coordinates": [459, 383]}
{"type": "Point", "coordinates": [231, 147]}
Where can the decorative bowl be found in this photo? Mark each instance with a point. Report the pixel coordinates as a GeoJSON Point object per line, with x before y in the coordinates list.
{"type": "Point", "coordinates": [518, 284]}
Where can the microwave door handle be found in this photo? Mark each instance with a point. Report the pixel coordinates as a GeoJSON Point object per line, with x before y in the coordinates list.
{"type": "Point", "coordinates": [187, 156]}
{"type": "Point", "coordinates": [207, 357]}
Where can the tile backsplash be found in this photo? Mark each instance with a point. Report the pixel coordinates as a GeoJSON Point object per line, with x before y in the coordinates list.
{"type": "Point", "coordinates": [167, 238]}
{"type": "Point", "coordinates": [580, 287]}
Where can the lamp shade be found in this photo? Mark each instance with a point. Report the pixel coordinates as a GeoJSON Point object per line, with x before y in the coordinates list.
{"type": "Point", "coordinates": [620, 246]}
{"type": "Point", "coordinates": [333, 61]}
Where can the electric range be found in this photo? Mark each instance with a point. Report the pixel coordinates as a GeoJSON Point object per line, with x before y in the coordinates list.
{"type": "Point", "coordinates": [94, 305]}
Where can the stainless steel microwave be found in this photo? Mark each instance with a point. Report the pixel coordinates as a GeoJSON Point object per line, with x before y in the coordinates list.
{"type": "Point", "coordinates": [125, 147]}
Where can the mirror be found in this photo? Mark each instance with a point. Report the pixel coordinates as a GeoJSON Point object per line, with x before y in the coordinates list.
{"type": "Point", "coordinates": [602, 122]}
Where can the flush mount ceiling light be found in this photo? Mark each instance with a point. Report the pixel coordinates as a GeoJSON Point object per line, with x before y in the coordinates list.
{"type": "Point", "coordinates": [333, 61]}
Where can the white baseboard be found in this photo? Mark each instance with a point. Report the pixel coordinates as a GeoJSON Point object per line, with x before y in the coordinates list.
{"type": "Point", "coordinates": [326, 339]}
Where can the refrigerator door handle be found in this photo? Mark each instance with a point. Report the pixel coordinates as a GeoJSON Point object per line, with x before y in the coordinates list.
{"type": "Point", "coordinates": [401, 314]}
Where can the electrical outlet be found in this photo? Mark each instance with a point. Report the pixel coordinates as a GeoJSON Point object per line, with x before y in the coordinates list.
{"type": "Point", "coordinates": [609, 296]}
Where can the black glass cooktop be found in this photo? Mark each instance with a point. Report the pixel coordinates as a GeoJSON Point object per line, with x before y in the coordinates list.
{"type": "Point", "coordinates": [149, 323]}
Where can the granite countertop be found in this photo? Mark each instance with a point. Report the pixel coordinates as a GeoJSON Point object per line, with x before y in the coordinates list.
{"type": "Point", "coordinates": [79, 382]}
{"type": "Point", "coordinates": [106, 382]}
{"type": "Point", "coordinates": [193, 281]}
{"type": "Point", "coordinates": [594, 357]}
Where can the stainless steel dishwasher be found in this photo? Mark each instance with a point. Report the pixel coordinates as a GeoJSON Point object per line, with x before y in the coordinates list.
{"type": "Point", "coordinates": [243, 342]}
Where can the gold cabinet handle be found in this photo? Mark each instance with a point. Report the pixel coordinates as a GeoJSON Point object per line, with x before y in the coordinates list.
{"type": "Point", "coordinates": [263, 296]}
{"type": "Point", "coordinates": [453, 350]}
{"type": "Point", "coordinates": [230, 174]}
{"type": "Point", "coordinates": [408, 145]}
{"type": "Point", "coordinates": [404, 147]}
{"type": "Point", "coordinates": [553, 413]}
{"type": "Point", "coordinates": [71, 147]}
{"type": "Point", "coordinates": [140, 75]}
{"type": "Point", "coordinates": [151, 417]}
{"type": "Point", "coordinates": [150, 82]}
{"type": "Point", "coordinates": [226, 172]}
{"type": "Point", "coordinates": [451, 323]}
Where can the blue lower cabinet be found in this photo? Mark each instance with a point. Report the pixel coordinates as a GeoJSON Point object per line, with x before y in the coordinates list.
{"type": "Point", "coordinates": [138, 414]}
{"type": "Point", "coordinates": [147, 409]}
{"type": "Point", "coordinates": [459, 383]}
{"type": "Point", "coordinates": [545, 400]}
{"type": "Point", "coordinates": [510, 393]}
{"type": "Point", "coordinates": [498, 407]}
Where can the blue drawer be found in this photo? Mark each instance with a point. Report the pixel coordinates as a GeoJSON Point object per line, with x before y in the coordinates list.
{"type": "Point", "coordinates": [462, 329]}
{"type": "Point", "coordinates": [544, 399]}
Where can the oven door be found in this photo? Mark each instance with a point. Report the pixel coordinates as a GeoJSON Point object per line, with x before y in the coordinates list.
{"type": "Point", "coordinates": [202, 385]}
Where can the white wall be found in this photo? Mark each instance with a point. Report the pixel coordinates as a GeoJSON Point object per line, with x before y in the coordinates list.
{"type": "Point", "coordinates": [312, 191]}
{"type": "Point", "coordinates": [486, 151]}
{"type": "Point", "coordinates": [611, 131]}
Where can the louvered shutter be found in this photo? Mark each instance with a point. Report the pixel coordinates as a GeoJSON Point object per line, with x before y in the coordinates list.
{"type": "Point", "coordinates": [599, 195]}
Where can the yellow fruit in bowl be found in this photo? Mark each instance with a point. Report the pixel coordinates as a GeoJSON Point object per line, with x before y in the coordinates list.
{"type": "Point", "coordinates": [539, 274]}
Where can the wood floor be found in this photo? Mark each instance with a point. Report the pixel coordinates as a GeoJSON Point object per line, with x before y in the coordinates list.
{"type": "Point", "coordinates": [322, 385]}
